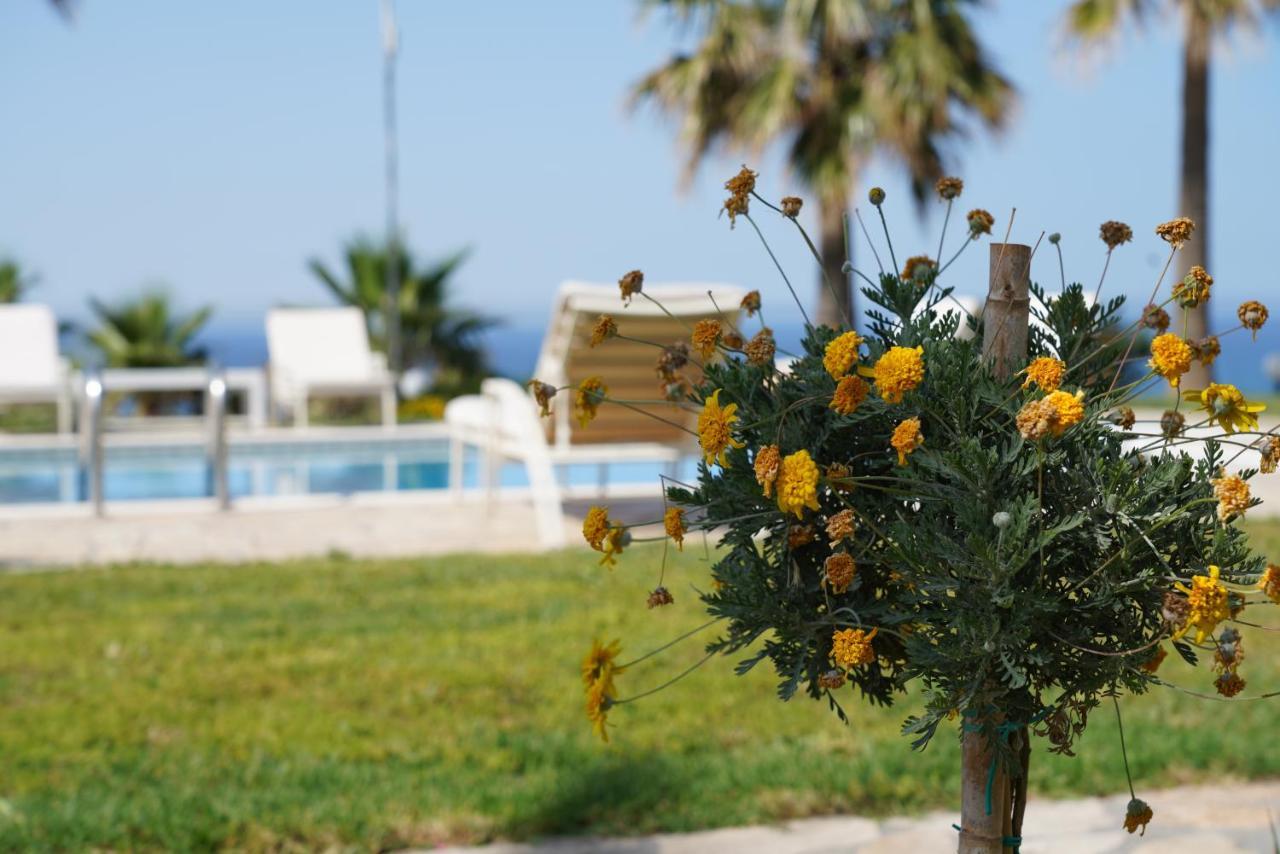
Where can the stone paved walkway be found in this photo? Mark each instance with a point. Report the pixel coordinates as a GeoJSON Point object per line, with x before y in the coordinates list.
{"type": "Point", "coordinates": [1222, 819]}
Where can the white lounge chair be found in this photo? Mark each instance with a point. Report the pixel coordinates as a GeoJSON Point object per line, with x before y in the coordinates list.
{"type": "Point", "coordinates": [503, 420]}
{"type": "Point", "coordinates": [31, 369]}
{"type": "Point", "coordinates": [324, 352]}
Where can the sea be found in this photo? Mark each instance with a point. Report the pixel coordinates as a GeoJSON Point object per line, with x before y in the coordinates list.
{"type": "Point", "coordinates": [513, 352]}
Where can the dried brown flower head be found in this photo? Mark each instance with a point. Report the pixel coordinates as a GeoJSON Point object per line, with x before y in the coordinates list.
{"type": "Point", "coordinates": [1175, 609]}
{"type": "Point", "coordinates": [1205, 350]}
{"type": "Point", "coordinates": [761, 349]}
{"type": "Point", "coordinates": [732, 340]}
{"type": "Point", "coordinates": [980, 222]}
{"type": "Point", "coordinates": [630, 285]}
{"type": "Point", "coordinates": [800, 535]}
{"type": "Point", "coordinates": [838, 571]}
{"type": "Point", "coordinates": [659, 597]}
{"type": "Point", "coordinates": [767, 461]}
{"type": "Point", "coordinates": [1172, 423]}
{"type": "Point", "coordinates": [1176, 232]}
{"type": "Point", "coordinates": [1253, 315]}
{"type": "Point", "coordinates": [706, 335]}
{"type": "Point", "coordinates": [751, 303]}
{"type": "Point", "coordinates": [917, 268]}
{"type": "Point", "coordinates": [1114, 233]}
{"type": "Point", "coordinates": [1193, 290]}
{"type": "Point", "coordinates": [1124, 418]}
{"type": "Point", "coordinates": [1229, 684]}
{"type": "Point", "coordinates": [671, 361]}
{"type": "Point", "coordinates": [831, 679]}
{"type": "Point", "coordinates": [791, 206]}
{"type": "Point", "coordinates": [1155, 317]}
{"type": "Point", "coordinates": [949, 188]}
{"type": "Point", "coordinates": [1268, 454]}
{"type": "Point", "coordinates": [1137, 815]}
{"type": "Point", "coordinates": [1037, 419]}
{"type": "Point", "coordinates": [542, 393]}
{"type": "Point", "coordinates": [740, 187]}
{"type": "Point", "coordinates": [876, 196]}
{"type": "Point", "coordinates": [840, 526]}
{"type": "Point", "coordinates": [604, 329]}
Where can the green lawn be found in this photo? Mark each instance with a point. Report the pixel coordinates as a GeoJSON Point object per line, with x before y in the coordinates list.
{"type": "Point", "coordinates": [383, 704]}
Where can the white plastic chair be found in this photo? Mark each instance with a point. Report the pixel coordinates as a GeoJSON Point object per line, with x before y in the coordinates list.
{"type": "Point", "coordinates": [31, 369]}
{"type": "Point", "coordinates": [324, 352]}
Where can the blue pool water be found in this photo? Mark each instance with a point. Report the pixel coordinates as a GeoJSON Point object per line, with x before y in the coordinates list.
{"type": "Point", "coordinates": [269, 469]}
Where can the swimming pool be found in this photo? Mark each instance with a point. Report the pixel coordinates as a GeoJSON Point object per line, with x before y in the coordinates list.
{"type": "Point", "coordinates": [336, 461]}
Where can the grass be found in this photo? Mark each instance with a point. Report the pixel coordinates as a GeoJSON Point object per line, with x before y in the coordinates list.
{"type": "Point", "coordinates": [382, 704]}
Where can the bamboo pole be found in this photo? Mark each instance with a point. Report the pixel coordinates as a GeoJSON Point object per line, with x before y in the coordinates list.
{"type": "Point", "coordinates": [987, 818]}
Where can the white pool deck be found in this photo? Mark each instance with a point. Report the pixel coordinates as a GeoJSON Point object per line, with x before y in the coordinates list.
{"type": "Point", "coordinates": [398, 524]}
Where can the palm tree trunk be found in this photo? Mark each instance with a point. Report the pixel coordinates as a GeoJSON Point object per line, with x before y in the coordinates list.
{"type": "Point", "coordinates": [1193, 195]}
{"type": "Point", "coordinates": [835, 296]}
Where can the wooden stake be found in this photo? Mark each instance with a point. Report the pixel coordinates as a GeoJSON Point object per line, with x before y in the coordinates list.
{"type": "Point", "coordinates": [1008, 308]}
{"type": "Point", "coordinates": [1004, 345]}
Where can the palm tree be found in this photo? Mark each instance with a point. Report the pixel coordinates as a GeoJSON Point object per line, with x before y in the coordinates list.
{"type": "Point", "coordinates": [434, 335]}
{"type": "Point", "coordinates": [837, 80]}
{"type": "Point", "coordinates": [144, 332]}
{"type": "Point", "coordinates": [14, 283]}
{"type": "Point", "coordinates": [1097, 20]}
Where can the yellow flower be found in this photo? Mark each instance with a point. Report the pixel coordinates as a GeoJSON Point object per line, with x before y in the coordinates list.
{"type": "Point", "coordinates": [797, 483]}
{"type": "Point", "coordinates": [1068, 409]}
{"type": "Point", "coordinates": [1176, 232]}
{"type": "Point", "coordinates": [673, 524]}
{"type": "Point", "coordinates": [630, 285]}
{"type": "Point", "coordinates": [1232, 494]}
{"type": "Point", "coordinates": [851, 647]}
{"type": "Point", "coordinates": [586, 403]}
{"type": "Point", "coordinates": [898, 371]}
{"type": "Point", "coordinates": [1170, 357]}
{"type": "Point", "coordinates": [715, 429]}
{"type": "Point", "coordinates": [604, 329]}
{"type": "Point", "coordinates": [839, 570]}
{"type": "Point", "coordinates": [1193, 290]}
{"type": "Point", "coordinates": [949, 188]}
{"type": "Point", "coordinates": [1046, 372]}
{"type": "Point", "coordinates": [1269, 583]}
{"type": "Point", "coordinates": [599, 702]}
{"type": "Point", "coordinates": [766, 466]}
{"type": "Point", "coordinates": [1113, 233]}
{"type": "Point", "coordinates": [1227, 407]}
{"type": "Point", "coordinates": [596, 527]}
{"type": "Point", "coordinates": [613, 544]}
{"type": "Point", "coordinates": [1253, 315]}
{"type": "Point", "coordinates": [917, 268]}
{"type": "Point", "coordinates": [1137, 815]}
{"type": "Point", "coordinates": [841, 354]}
{"type": "Point", "coordinates": [706, 335]}
{"type": "Point", "coordinates": [599, 667]}
{"type": "Point", "coordinates": [906, 438]}
{"type": "Point", "coordinates": [849, 394]}
{"type": "Point", "coordinates": [1207, 605]}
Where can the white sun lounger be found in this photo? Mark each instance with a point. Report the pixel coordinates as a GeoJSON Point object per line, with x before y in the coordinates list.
{"type": "Point", "coordinates": [31, 368]}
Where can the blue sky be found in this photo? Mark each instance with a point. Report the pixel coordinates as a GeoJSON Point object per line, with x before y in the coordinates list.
{"type": "Point", "coordinates": [217, 146]}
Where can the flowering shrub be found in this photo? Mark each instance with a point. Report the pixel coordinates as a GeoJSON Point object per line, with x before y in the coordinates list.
{"type": "Point", "coordinates": [891, 513]}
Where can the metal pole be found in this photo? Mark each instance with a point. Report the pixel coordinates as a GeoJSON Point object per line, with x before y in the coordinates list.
{"type": "Point", "coordinates": [91, 445]}
{"type": "Point", "coordinates": [215, 409]}
{"type": "Point", "coordinates": [390, 48]}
